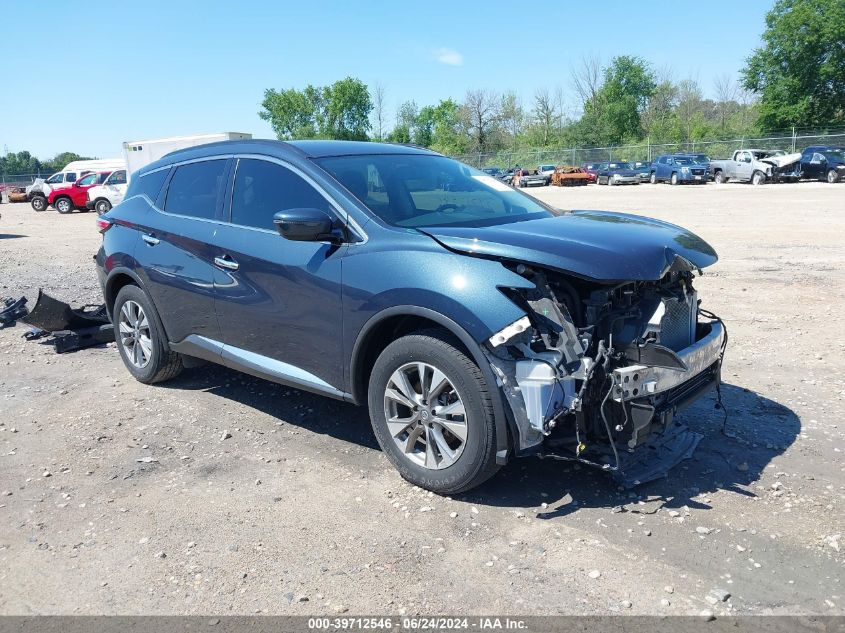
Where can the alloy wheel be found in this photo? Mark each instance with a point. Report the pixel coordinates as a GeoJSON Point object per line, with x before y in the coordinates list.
{"type": "Point", "coordinates": [135, 334]}
{"type": "Point", "coordinates": [425, 415]}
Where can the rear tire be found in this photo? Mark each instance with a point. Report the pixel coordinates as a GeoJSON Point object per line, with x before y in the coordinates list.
{"type": "Point", "coordinates": [407, 446]}
{"type": "Point", "coordinates": [63, 205]}
{"type": "Point", "coordinates": [154, 361]}
{"type": "Point", "coordinates": [39, 203]}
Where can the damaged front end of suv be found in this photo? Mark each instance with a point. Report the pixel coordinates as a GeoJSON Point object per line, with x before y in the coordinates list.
{"type": "Point", "coordinates": [597, 370]}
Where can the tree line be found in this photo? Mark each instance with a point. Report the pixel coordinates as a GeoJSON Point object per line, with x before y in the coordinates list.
{"type": "Point", "coordinates": [19, 163]}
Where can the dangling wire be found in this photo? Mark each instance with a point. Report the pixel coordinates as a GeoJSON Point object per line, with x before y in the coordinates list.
{"type": "Point", "coordinates": [719, 403]}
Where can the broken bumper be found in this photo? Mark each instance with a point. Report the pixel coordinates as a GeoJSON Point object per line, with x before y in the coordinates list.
{"type": "Point", "coordinates": [638, 381]}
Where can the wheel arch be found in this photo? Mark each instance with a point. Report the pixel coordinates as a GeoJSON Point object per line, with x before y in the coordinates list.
{"type": "Point", "coordinates": [393, 323]}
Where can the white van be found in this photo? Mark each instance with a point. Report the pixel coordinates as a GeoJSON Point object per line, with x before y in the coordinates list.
{"type": "Point", "coordinates": [38, 191]}
{"type": "Point", "coordinates": [140, 153]}
{"type": "Point", "coordinates": [103, 197]}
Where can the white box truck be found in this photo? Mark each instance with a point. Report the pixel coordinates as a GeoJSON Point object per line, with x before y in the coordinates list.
{"type": "Point", "coordinates": [139, 153]}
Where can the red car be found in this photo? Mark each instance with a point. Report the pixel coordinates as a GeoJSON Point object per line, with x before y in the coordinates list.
{"type": "Point", "coordinates": [592, 169]}
{"type": "Point", "coordinates": [75, 196]}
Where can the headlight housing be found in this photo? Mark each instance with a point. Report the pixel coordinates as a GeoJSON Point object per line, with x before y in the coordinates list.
{"type": "Point", "coordinates": [684, 170]}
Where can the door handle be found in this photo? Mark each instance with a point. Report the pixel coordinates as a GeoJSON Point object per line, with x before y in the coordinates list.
{"type": "Point", "coordinates": [149, 239]}
{"type": "Point", "coordinates": [226, 262]}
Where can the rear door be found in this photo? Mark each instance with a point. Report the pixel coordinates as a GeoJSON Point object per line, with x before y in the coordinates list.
{"type": "Point", "coordinates": [177, 251]}
{"type": "Point", "coordinates": [279, 301]}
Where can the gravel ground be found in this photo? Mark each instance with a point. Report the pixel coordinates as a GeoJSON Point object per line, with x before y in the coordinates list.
{"type": "Point", "coordinates": [123, 498]}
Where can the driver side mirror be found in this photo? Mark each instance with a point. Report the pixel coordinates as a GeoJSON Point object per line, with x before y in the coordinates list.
{"type": "Point", "coordinates": [305, 225]}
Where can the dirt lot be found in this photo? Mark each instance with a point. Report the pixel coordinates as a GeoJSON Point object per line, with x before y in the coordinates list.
{"type": "Point", "coordinates": [123, 498]}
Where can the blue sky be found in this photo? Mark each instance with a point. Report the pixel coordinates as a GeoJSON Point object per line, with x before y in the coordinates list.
{"type": "Point", "coordinates": [97, 75]}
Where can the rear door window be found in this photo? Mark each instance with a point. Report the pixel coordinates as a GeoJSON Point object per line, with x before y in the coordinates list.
{"type": "Point", "coordinates": [262, 189]}
{"type": "Point", "coordinates": [194, 189]}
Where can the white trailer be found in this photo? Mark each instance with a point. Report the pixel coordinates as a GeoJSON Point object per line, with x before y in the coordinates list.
{"type": "Point", "coordinates": [140, 153]}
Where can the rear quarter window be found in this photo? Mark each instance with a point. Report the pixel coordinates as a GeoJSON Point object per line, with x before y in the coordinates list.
{"type": "Point", "coordinates": [148, 184]}
{"type": "Point", "coordinates": [195, 188]}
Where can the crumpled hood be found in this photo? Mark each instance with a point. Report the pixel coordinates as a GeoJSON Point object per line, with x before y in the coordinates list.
{"type": "Point", "coordinates": [598, 245]}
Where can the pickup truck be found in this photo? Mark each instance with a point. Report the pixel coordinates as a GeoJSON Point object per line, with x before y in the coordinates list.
{"type": "Point", "coordinates": [756, 166]}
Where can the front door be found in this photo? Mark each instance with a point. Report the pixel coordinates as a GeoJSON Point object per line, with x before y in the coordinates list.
{"type": "Point", "coordinates": [279, 302]}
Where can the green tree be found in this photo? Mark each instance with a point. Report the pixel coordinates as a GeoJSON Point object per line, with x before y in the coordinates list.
{"type": "Point", "coordinates": [799, 72]}
{"type": "Point", "coordinates": [347, 110]}
{"type": "Point", "coordinates": [628, 84]}
{"type": "Point", "coordinates": [339, 111]}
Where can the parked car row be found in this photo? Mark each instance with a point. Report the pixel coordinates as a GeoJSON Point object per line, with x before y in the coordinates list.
{"type": "Point", "coordinates": [818, 162]}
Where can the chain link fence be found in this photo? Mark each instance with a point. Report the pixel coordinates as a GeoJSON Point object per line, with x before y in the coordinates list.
{"type": "Point", "coordinates": [9, 181]}
{"type": "Point", "coordinates": [647, 151]}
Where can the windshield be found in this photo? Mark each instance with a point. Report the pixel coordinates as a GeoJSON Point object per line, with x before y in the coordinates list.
{"type": "Point", "coordinates": [702, 158]}
{"type": "Point", "coordinates": [683, 160]}
{"type": "Point", "coordinates": [422, 190]}
{"type": "Point", "coordinates": [834, 155]}
{"type": "Point", "coordinates": [547, 167]}
{"type": "Point", "coordinates": [619, 166]}
{"type": "Point", "coordinates": [55, 178]}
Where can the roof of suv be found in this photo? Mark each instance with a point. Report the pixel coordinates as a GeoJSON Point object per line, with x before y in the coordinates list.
{"type": "Point", "coordinates": [309, 149]}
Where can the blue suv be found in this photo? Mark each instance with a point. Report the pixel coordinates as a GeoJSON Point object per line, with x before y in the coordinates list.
{"type": "Point", "coordinates": [475, 322]}
{"type": "Point", "coordinates": [679, 168]}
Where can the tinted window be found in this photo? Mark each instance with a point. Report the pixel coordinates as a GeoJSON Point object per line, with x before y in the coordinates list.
{"type": "Point", "coordinates": [118, 178]}
{"type": "Point", "coordinates": [148, 184]}
{"type": "Point", "coordinates": [422, 190]}
{"type": "Point", "coordinates": [70, 176]}
{"type": "Point", "coordinates": [194, 188]}
{"type": "Point", "coordinates": [262, 189]}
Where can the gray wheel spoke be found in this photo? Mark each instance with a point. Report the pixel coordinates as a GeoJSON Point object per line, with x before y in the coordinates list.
{"type": "Point", "coordinates": [456, 408]}
{"type": "Point", "coordinates": [438, 382]}
{"type": "Point", "coordinates": [458, 429]}
{"type": "Point", "coordinates": [442, 446]}
{"type": "Point", "coordinates": [146, 346]}
{"type": "Point", "coordinates": [430, 457]}
{"type": "Point", "coordinates": [398, 426]}
{"type": "Point", "coordinates": [411, 440]}
{"type": "Point", "coordinates": [400, 379]}
{"type": "Point", "coordinates": [398, 397]}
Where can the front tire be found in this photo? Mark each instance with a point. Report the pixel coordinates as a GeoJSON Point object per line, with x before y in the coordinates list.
{"type": "Point", "coordinates": [719, 178]}
{"type": "Point", "coordinates": [102, 206]}
{"type": "Point", "coordinates": [653, 178]}
{"type": "Point", "coordinates": [432, 414]}
{"type": "Point", "coordinates": [63, 205]}
{"type": "Point", "coordinates": [674, 179]}
{"type": "Point", "coordinates": [758, 178]}
{"type": "Point", "coordinates": [832, 176]}
{"type": "Point", "coordinates": [140, 338]}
